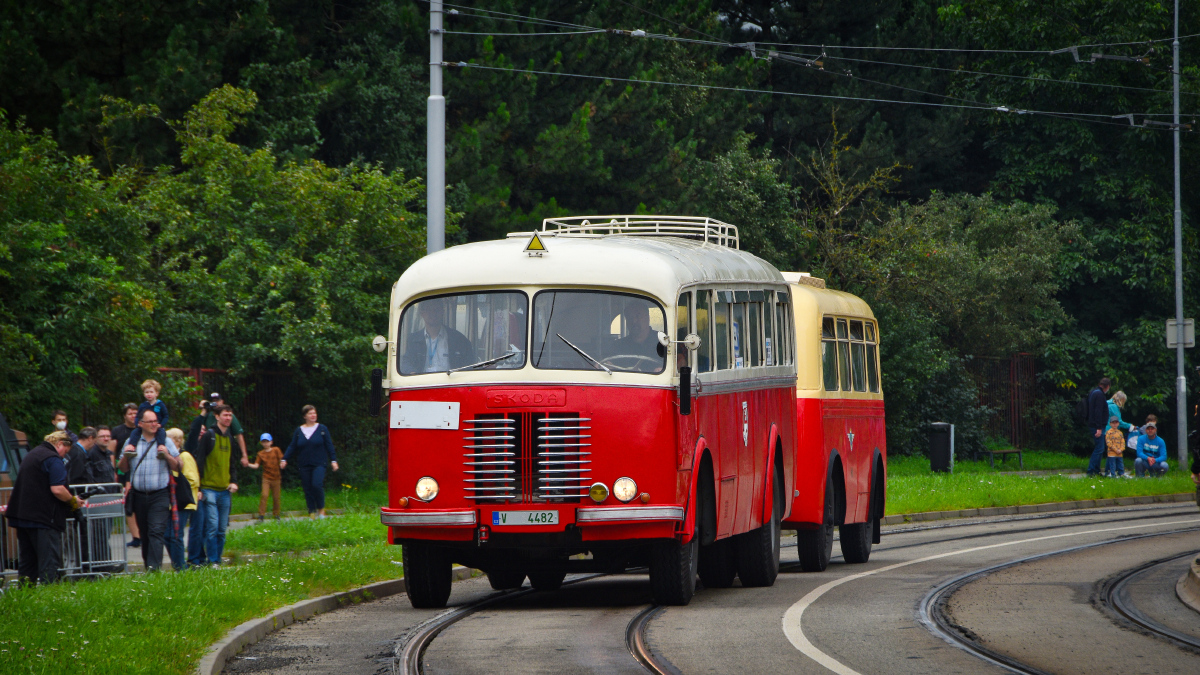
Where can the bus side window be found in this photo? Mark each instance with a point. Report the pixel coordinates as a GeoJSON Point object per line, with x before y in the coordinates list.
{"type": "Point", "coordinates": [721, 330]}
{"type": "Point", "coordinates": [704, 362]}
{"type": "Point", "coordinates": [872, 366]}
{"type": "Point", "coordinates": [858, 356]}
{"type": "Point", "coordinates": [829, 355]}
{"type": "Point", "coordinates": [769, 344]}
{"type": "Point", "coordinates": [753, 335]}
{"type": "Point", "coordinates": [683, 323]}
{"type": "Point", "coordinates": [737, 334]}
{"type": "Point", "coordinates": [787, 342]}
{"type": "Point", "coordinates": [843, 334]}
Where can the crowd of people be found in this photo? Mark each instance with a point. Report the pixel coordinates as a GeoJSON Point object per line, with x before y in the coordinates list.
{"type": "Point", "coordinates": [1113, 437]}
{"type": "Point", "coordinates": [177, 486]}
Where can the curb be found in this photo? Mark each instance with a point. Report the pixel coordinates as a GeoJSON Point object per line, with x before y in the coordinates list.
{"type": "Point", "coordinates": [250, 632]}
{"type": "Point", "coordinates": [1188, 588]}
{"type": "Point", "coordinates": [1036, 508]}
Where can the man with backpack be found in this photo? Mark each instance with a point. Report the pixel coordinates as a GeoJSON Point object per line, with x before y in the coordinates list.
{"type": "Point", "coordinates": [1097, 420]}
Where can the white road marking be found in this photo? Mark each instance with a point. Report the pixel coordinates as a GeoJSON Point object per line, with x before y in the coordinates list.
{"type": "Point", "coordinates": [792, 617]}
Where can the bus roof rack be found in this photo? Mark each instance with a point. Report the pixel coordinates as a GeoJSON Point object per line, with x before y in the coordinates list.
{"type": "Point", "coordinates": [689, 227]}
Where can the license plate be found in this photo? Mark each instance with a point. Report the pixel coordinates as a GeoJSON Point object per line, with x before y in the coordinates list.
{"type": "Point", "coordinates": [524, 517]}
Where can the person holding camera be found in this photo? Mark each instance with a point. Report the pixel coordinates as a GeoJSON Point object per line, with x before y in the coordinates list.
{"type": "Point", "coordinates": [149, 469]}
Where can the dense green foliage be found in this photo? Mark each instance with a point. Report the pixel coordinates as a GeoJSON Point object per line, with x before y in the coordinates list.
{"type": "Point", "coordinates": [223, 184]}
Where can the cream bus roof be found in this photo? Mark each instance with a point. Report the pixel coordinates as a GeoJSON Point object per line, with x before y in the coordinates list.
{"type": "Point", "coordinates": [655, 265]}
{"type": "Point", "coordinates": [821, 301]}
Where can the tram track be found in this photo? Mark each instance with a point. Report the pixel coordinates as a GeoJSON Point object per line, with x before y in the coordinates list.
{"type": "Point", "coordinates": [932, 610]}
{"type": "Point", "coordinates": [1114, 597]}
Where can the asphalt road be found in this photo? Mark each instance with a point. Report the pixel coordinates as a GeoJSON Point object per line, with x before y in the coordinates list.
{"type": "Point", "coordinates": [848, 619]}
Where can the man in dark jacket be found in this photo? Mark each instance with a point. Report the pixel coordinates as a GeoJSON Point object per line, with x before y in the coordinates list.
{"type": "Point", "coordinates": [436, 348]}
{"type": "Point", "coordinates": [38, 509]}
{"type": "Point", "coordinates": [1097, 421]}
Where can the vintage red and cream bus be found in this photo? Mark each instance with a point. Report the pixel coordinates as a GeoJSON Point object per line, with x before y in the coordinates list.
{"type": "Point", "coordinates": [603, 394]}
{"type": "Point", "coordinates": [841, 449]}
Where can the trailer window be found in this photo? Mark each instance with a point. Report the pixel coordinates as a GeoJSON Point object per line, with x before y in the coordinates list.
{"type": "Point", "coordinates": [858, 356]}
{"type": "Point", "coordinates": [583, 330]}
{"type": "Point", "coordinates": [872, 362]}
{"type": "Point", "coordinates": [829, 367]}
{"type": "Point", "coordinates": [475, 331]}
{"type": "Point", "coordinates": [703, 329]}
{"type": "Point", "coordinates": [843, 334]}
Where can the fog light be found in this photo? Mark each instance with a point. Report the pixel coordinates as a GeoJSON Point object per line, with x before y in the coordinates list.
{"type": "Point", "coordinates": [403, 502]}
{"type": "Point", "coordinates": [645, 497]}
{"type": "Point", "coordinates": [598, 492]}
{"type": "Point", "coordinates": [427, 489]}
{"type": "Point", "coordinates": [625, 489]}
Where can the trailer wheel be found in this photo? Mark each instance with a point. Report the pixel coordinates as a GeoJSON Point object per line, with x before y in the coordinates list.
{"type": "Point", "coordinates": [426, 575]}
{"type": "Point", "coordinates": [717, 565]}
{"type": "Point", "coordinates": [505, 580]}
{"type": "Point", "coordinates": [673, 571]}
{"type": "Point", "coordinates": [547, 580]}
{"type": "Point", "coordinates": [815, 547]}
{"type": "Point", "coordinates": [758, 550]}
{"type": "Point", "coordinates": [857, 537]}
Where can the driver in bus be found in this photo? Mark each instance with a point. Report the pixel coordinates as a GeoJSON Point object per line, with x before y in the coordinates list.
{"type": "Point", "coordinates": [640, 339]}
{"type": "Point", "coordinates": [437, 347]}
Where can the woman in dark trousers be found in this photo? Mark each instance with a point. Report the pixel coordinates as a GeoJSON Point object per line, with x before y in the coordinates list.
{"type": "Point", "coordinates": [312, 446]}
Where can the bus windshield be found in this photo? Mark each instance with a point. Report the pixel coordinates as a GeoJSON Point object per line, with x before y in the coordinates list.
{"type": "Point", "coordinates": [592, 330]}
{"type": "Point", "coordinates": [473, 331]}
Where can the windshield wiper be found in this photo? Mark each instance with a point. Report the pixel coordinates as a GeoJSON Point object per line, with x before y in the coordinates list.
{"type": "Point", "coordinates": [483, 363]}
{"type": "Point", "coordinates": [584, 354]}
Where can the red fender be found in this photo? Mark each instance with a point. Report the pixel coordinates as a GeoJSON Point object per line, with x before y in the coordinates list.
{"type": "Point", "coordinates": [689, 516]}
{"type": "Point", "coordinates": [769, 485]}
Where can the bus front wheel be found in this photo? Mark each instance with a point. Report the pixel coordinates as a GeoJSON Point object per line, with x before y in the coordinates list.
{"type": "Point", "coordinates": [673, 571]}
{"type": "Point", "coordinates": [426, 575]}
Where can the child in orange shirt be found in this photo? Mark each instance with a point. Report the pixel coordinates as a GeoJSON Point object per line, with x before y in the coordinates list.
{"type": "Point", "coordinates": [1115, 441]}
{"type": "Point", "coordinates": [268, 458]}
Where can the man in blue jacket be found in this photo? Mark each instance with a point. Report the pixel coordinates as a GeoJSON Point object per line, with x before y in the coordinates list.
{"type": "Point", "coordinates": [1151, 452]}
{"type": "Point", "coordinates": [1097, 421]}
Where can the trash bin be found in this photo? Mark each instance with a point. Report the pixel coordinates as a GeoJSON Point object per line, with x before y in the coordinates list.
{"type": "Point", "coordinates": [941, 447]}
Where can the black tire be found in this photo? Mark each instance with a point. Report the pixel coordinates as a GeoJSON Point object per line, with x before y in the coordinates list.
{"type": "Point", "coordinates": [856, 542]}
{"type": "Point", "coordinates": [547, 580]}
{"type": "Point", "coordinates": [673, 571]}
{"type": "Point", "coordinates": [757, 551]}
{"type": "Point", "coordinates": [426, 575]}
{"type": "Point", "coordinates": [717, 565]}
{"type": "Point", "coordinates": [815, 547]}
{"type": "Point", "coordinates": [505, 580]}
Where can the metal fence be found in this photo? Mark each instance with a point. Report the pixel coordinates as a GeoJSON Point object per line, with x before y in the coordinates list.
{"type": "Point", "coordinates": [94, 543]}
{"type": "Point", "coordinates": [1008, 387]}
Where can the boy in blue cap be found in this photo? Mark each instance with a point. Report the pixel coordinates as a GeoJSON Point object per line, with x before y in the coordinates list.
{"type": "Point", "coordinates": [268, 458]}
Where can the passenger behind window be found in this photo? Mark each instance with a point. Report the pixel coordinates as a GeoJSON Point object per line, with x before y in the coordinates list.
{"type": "Point", "coordinates": [436, 348]}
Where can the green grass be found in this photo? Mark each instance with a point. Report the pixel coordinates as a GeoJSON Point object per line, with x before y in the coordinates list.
{"type": "Point", "coordinates": [918, 465]}
{"type": "Point", "coordinates": [970, 490]}
{"type": "Point", "coordinates": [337, 495]}
{"type": "Point", "coordinates": [164, 622]}
{"type": "Point", "coordinates": [306, 534]}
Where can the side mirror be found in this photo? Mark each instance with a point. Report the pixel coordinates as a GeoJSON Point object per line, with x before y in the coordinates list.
{"type": "Point", "coordinates": [379, 344]}
{"type": "Point", "coordinates": [663, 339]}
{"type": "Point", "coordinates": [376, 401]}
{"type": "Point", "coordinates": [692, 341]}
{"type": "Point", "coordinates": [685, 390]}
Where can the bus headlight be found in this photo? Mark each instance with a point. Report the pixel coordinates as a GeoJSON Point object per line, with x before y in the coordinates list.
{"type": "Point", "coordinates": [427, 489]}
{"type": "Point", "coordinates": [625, 489]}
{"type": "Point", "coordinates": [598, 492]}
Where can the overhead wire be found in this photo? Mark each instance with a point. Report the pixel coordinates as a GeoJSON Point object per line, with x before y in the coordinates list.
{"type": "Point", "coordinates": [1081, 117]}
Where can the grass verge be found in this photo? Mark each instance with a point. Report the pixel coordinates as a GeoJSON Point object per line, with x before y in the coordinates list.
{"type": "Point", "coordinates": [165, 622]}
{"type": "Point", "coordinates": [918, 465]}
{"type": "Point", "coordinates": [337, 496]}
{"type": "Point", "coordinates": [306, 534]}
{"type": "Point", "coordinates": [946, 492]}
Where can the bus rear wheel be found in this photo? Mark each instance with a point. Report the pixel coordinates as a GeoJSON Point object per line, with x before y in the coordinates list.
{"type": "Point", "coordinates": [673, 571]}
{"type": "Point", "coordinates": [505, 580]}
{"type": "Point", "coordinates": [426, 575]}
{"type": "Point", "coordinates": [547, 580]}
{"type": "Point", "coordinates": [815, 547]}
{"type": "Point", "coordinates": [857, 537]}
{"type": "Point", "coordinates": [758, 550]}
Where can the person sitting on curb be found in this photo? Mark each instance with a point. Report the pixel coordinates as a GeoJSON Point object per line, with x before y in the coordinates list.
{"type": "Point", "coordinates": [1151, 453]}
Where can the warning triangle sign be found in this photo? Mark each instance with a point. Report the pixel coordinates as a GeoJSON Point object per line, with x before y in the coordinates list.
{"type": "Point", "coordinates": [535, 245]}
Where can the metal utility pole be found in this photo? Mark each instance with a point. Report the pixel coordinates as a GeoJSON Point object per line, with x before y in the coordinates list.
{"type": "Point", "coordinates": [1180, 378]}
{"type": "Point", "coordinates": [435, 138]}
